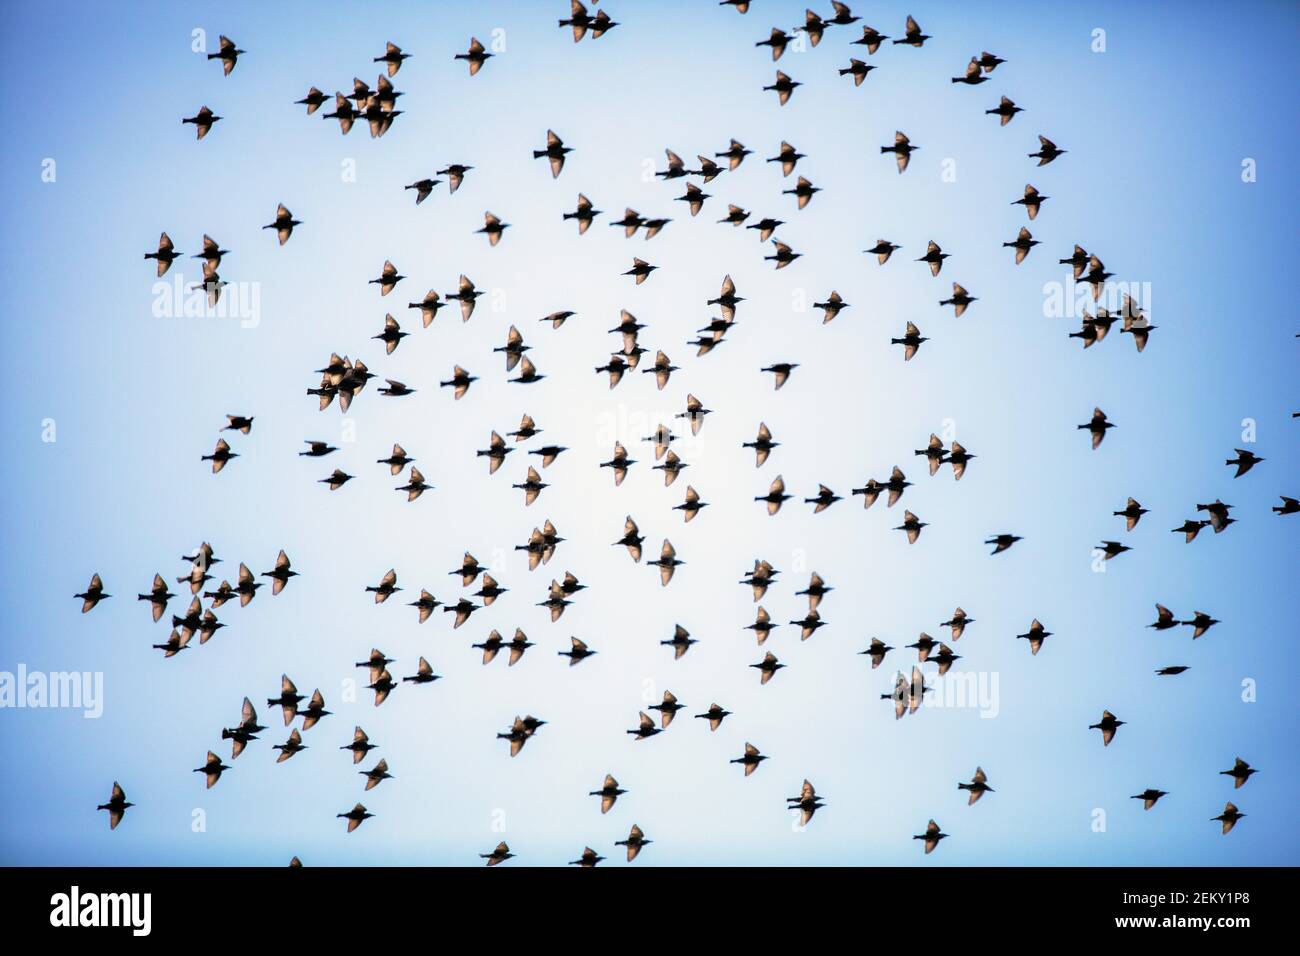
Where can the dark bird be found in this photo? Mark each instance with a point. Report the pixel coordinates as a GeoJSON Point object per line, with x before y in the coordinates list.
{"type": "Point", "coordinates": [672, 466]}
{"type": "Point", "coordinates": [1244, 461]}
{"type": "Point", "coordinates": [1078, 261]}
{"type": "Point", "coordinates": [876, 652]}
{"type": "Point", "coordinates": [667, 562]}
{"type": "Point", "coordinates": [974, 74]}
{"type": "Point", "coordinates": [1240, 773]}
{"type": "Point", "coordinates": [914, 37]}
{"type": "Point", "coordinates": [460, 381]}
{"type": "Point", "coordinates": [314, 711]}
{"type": "Point", "coordinates": [958, 623]}
{"type": "Point", "coordinates": [312, 100]}
{"type": "Point", "coordinates": [212, 769]}
{"type": "Point", "coordinates": [554, 152]}
{"type": "Point", "coordinates": [734, 154]}
{"type": "Point", "coordinates": [807, 803]}
{"type": "Point", "coordinates": [989, 62]}
{"type": "Point", "coordinates": [467, 295]}
{"type": "Point", "coordinates": [527, 429]}
{"type": "Point", "coordinates": [247, 730]}
{"type": "Point", "coordinates": [1200, 623]}
{"type": "Point", "coordinates": [1190, 529]}
{"type": "Point", "coordinates": [735, 215]}
{"type": "Point", "coordinates": [816, 590]}
{"type": "Point", "coordinates": [783, 87]}
{"type": "Point", "coordinates": [1032, 201]}
{"type": "Point", "coordinates": [782, 372]}
{"type": "Point", "coordinates": [871, 39]}
{"type": "Point", "coordinates": [775, 495]}
{"type": "Point", "coordinates": [220, 455]}
{"type": "Point", "coordinates": [423, 675]}
{"type": "Point", "coordinates": [589, 856]}
{"type": "Point", "coordinates": [631, 536]}
{"type": "Point", "coordinates": [640, 270]}
{"type": "Point", "coordinates": [1037, 634]}
{"type": "Point", "coordinates": [1132, 514]}
{"type": "Point", "coordinates": [662, 369]}
{"type": "Point", "coordinates": [857, 69]}
{"type": "Point", "coordinates": [158, 596]}
{"type": "Point", "coordinates": [387, 586]}
{"type": "Point", "coordinates": [493, 228]}
{"type": "Point", "coordinates": [1171, 671]}
{"type": "Point", "coordinates": [695, 411]}
{"type": "Point", "coordinates": [387, 280]}
{"type": "Point", "coordinates": [490, 590]}
{"type": "Point", "coordinates": [934, 256]}
{"type": "Point", "coordinates": [1005, 109]}
{"type": "Point", "coordinates": [762, 625]}
{"type": "Point", "coordinates": [932, 834]}
{"type": "Point", "coordinates": [548, 453]}
{"type": "Point", "coordinates": [924, 645]}
{"type": "Point", "coordinates": [1218, 513]}
{"type": "Point", "coordinates": [902, 150]}
{"type": "Point", "coordinates": [1107, 725]}
{"type": "Point", "coordinates": [462, 609]}
{"type": "Point", "coordinates": [116, 806]}
{"type": "Point", "coordinates": [355, 816]}
{"type": "Point", "coordinates": [635, 841]}
{"type": "Point", "coordinates": [428, 307]}
{"type": "Point", "coordinates": [619, 463]}
{"type": "Point", "coordinates": [645, 728]}
{"type": "Point", "coordinates": [211, 255]}
{"type": "Point", "coordinates": [491, 646]}
{"type": "Point", "coordinates": [165, 255]}
{"type": "Point", "coordinates": [1095, 277]}
{"type": "Point", "coordinates": [788, 157]}
{"type": "Point", "coordinates": [203, 121]}
{"type": "Point", "coordinates": [960, 299]}
{"type": "Point", "coordinates": [476, 56]}
{"type": "Point", "coordinates": [727, 299]}
{"type": "Point", "coordinates": [1098, 426]}
{"type": "Point", "coordinates": [1149, 796]}
{"type": "Point", "coordinates": [227, 54]}
{"type": "Point", "coordinates": [911, 341]}
{"type": "Point", "coordinates": [959, 457]}
{"type": "Point", "coordinates": [1164, 619]}
{"type": "Point", "coordinates": [283, 224]}
{"type": "Point", "coordinates": [680, 642]}
{"type": "Point", "coordinates": [1289, 506]}
{"type": "Point", "coordinates": [882, 250]}
{"type": "Point", "coordinates": [584, 214]}
{"type": "Point", "coordinates": [528, 373]}
{"type": "Point", "coordinates": [667, 709]}
{"type": "Point", "coordinates": [945, 658]}
{"type": "Point", "coordinates": [978, 786]}
{"type": "Point", "coordinates": [280, 574]}
{"type": "Point", "coordinates": [809, 624]}
{"type": "Point", "coordinates": [1023, 242]}
{"type": "Point", "coordinates": [714, 715]}
{"type": "Point", "coordinates": [814, 26]}
{"type": "Point", "coordinates": [777, 41]}
{"type": "Point", "coordinates": [1228, 817]}
{"type": "Point", "coordinates": [609, 793]}
{"type": "Point", "coordinates": [824, 499]}
{"type": "Point", "coordinates": [415, 486]}
{"type": "Point", "coordinates": [393, 57]}
{"type": "Point", "coordinates": [1047, 151]}
{"type": "Point", "coordinates": [751, 758]}
{"type": "Point", "coordinates": [1112, 549]}
{"type": "Point", "coordinates": [343, 112]}
{"type": "Point", "coordinates": [766, 227]}
{"type": "Point", "coordinates": [578, 653]}
{"type": "Point", "coordinates": [501, 852]}
{"type": "Point", "coordinates": [174, 644]}
{"type": "Point", "coordinates": [288, 699]}
{"type": "Point", "coordinates": [398, 460]}
{"type": "Point", "coordinates": [290, 747]}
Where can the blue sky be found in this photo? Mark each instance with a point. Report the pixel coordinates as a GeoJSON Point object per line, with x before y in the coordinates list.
{"type": "Point", "coordinates": [1151, 183]}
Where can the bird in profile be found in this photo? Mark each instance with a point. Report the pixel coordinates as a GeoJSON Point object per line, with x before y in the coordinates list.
{"type": "Point", "coordinates": [355, 816]}
{"type": "Point", "coordinates": [284, 223]}
{"type": "Point", "coordinates": [1244, 461]}
{"type": "Point", "coordinates": [501, 852]}
{"type": "Point", "coordinates": [1107, 725]}
{"type": "Point", "coordinates": [493, 228]}
{"type": "Point", "coordinates": [1047, 151]}
{"type": "Point", "coordinates": [227, 53]}
{"type": "Point", "coordinates": [911, 341]}
{"type": "Point", "coordinates": [913, 37]}
{"type": "Point", "coordinates": [1171, 671]}
{"type": "Point", "coordinates": [165, 255]}
{"type": "Point", "coordinates": [832, 307]}
{"type": "Point", "coordinates": [1218, 512]}
{"type": "Point", "coordinates": [762, 445]}
{"type": "Point", "coordinates": [521, 731]}
{"type": "Point", "coordinates": [382, 686]}
{"type": "Point", "coordinates": [1200, 623]}
{"type": "Point", "coordinates": [589, 856]}
{"type": "Point", "coordinates": [467, 295]}
{"type": "Point", "coordinates": [247, 730]}
{"type": "Point", "coordinates": [775, 495]}
{"type": "Point", "coordinates": [1005, 109]}
{"type": "Point", "coordinates": [577, 653]}
{"type": "Point", "coordinates": [280, 574]}
{"type": "Point", "coordinates": [858, 69]}
{"type": "Point", "coordinates": [1023, 242]}
{"type": "Point", "coordinates": [212, 769]}
{"type": "Point", "coordinates": [290, 747]}
{"type": "Point", "coordinates": [475, 57]}
{"type": "Point", "coordinates": [1289, 506]}
{"type": "Point", "coordinates": [609, 793]}
{"type": "Point", "coordinates": [528, 374]}
{"type": "Point", "coordinates": [672, 466]}
{"type": "Point", "coordinates": [491, 646]}
{"type": "Point", "coordinates": [807, 803]}
{"type": "Point", "coordinates": [882, 250]}
{"type": "Point", "coordinates": [343, 112]}
{"type": "Point", "coordinates": [823, 500]}
{"type": "Point", "coordinates": [667, 709]}
{"type": "Point", "coordinates": [1149, 796]}
{"type": "Point", "coordinates": [667, 562]}
{"type": "Point", "coordinates": [1164, 619]}
{"type": "Point", "coordinates": [734, 154]}
{"type": "Point", "coordinates": [220, 455]}
{"type": "Point", "coordinates": [645, 728]}
{"type": "Point", "coordinates": [631, 535]}
{"type": "Point", "coordinates": [958, 623]}
{"type": "Point", "coordinates": [314, 711]}
{"type": "Point", "coordinates": [762, 625]}
{"type": "Point", "coordinates": [620, 463]}
{"type": "Point", "coordinates": [1190, 529]}
{"type": "Point", "coordinates": [662, 369]}
{"type": "Point", "coordinates": [1036, 635]}
{"type": "Point", "coordinates": [1240, 773]}
{"type": "Point", "coordinates": [959, 301]}
{"type": "Point", "coordinates": [393, 57]}
{"type": "Point", "coordinates": [777, 41]}
{"type": "Point", "coordinates": [174, 644]}
{"type": "Point", "coordinates": [376, 774]}
{"type": "Point", "coordinates": [555, 152]}
{"type": "Point", "coordinates": [1132, 513]}
{"type": "Point", "coordinates": [116, 806]}
{"type": "Point", "coordinates": [767, 667]}
{"type": "Point", "coordinates": [934, 452]}
{"type": "Point", "coordinates": [203, 121]}
{"type": "Point", "coordinates": [1111, 549]}
{"type": "Point", "coordinates": [636, 839]}
{"type": "Point", "coordinates": [288, 699]}
{"type": "Point", "coordinates": [781, 371]}
{"type": "Point", "coordinates": [1032, 200]}
{"type": "Point", "coordinates": [460, 382]}
{"type": "Point", "coordinates": [783, 86]}
{"type": "Point", "coordinates": [386, 587]}
{"type": "Point", "coordinates": [1228, 817]}
{"type": "Point", "coordinates": [902, 150]}
{"type": "Point", "coordinates": [680, 642]}
{"type": "Point", "coordinates": [876, 651]}
{"type": "Point", "coordinates": [871, 39]}
{"type": "Point", "coordinates": [423, 674]}
{"type": "Point", "coordinates": [974, 74]}
{"type": "Point", "coordinates": [750, 759]}
{"type": "Point", "coordinates": [978, 786]}
{"type": "Point", "coordinates": [1097, 426]}
{"type": "Point", "coordinates": [312, 100]}
{"type": "Point", "coordinates": [714, 715]}
{"type": "Point", "coordinates": [945, 658]}
{"type": "Point", "coordinates": [932, 834]}
{"type": "Point", "coordinates": [809, 624]}
{"type": "Point", "coordinates": [94, 593]}
{"type": "Point", "coordinates": [584, 214]}
{"type": "Point", "coordinates": [640, 270]}
{"type": "Point", "coordinates": [924, 645]}
{"type": "Point", "coordinates": [934, 256]}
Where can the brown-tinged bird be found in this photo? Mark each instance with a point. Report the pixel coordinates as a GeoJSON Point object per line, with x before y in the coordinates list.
{"type": "Point", "coordinates": [667, 709]}
{"type": "Point", "coordinates": [1190, 529]}
{"type": "Point", "coordinates": [695, 412]}
{"type": "Point", "coordinates": [619, 463]}
{"type": "Point", "coordinates": [974, 74]}
{"type": "Point", "coordinates": [1149, 796]}
{"type": "Point", "coordinates": [727, 299]}
{"type": "Point", "coordinates": [343, 112]}
{"type": "Point", "coordinates": [312, 100]}
{"type": "Point", "coordinates": [736, 216]}
{"type": "Point", "coordinates": [775, 496]}
{"type": "Point", "coordinates": [212, 769]}
{"type": "Point", "coordinates": [734, 154]}
{"type": "Point", "coordinates": [902, 150]}
{"type": "Point", "coordinates": [934, 256]}
{"type": "Point", "coordinates": [393, 57]}
{"type": "Point", "coordinates": [527, 429]}
{"type": "Point", "coordinates": [462, 609]}
{"type": "Point", "coordinates": [491, 646]}
{"type": "Point", "coordinates": [317, 449]}
{"type": "Point", "coordinates": [165, 255]}
{"type": "Point", "coordinates": [788, 157]}
{"type": "Point", "coordinates": [959, 458]}
{"type": "Point", "coordinates": [460, 381]}
{"type": "Point", "coordinates": [1200, 623]}
{"type": "Point", "coordinates": [932, 834]}
{"type": "Point", "coordinates": [823, 500]}
{"type": "Point", "coordinates": [782, 372]}
{"type": "Point", "coordinates": [924, 645]}
{"type": "Point", "coordinates": [584, 214]}
{"type": "Point", "coordinates": [832, 307]}
{"type": "Point", "coordinates": [750, 759]}
{"type": "Point", "coordinates": [376, 774]}
{"type": "Point", "coordinates": [1112, 549]}
{"type": "Point", "coordinates": [555, 153]}
{"type": "Point", "coordinates": [388, 279]}
{"type": "Point", "coordinates": [766, 226]}
{"type": "Point", "coordinates": [227, 54]}
{"type": "Point", "coordinates": [816, 590]}
{"type": "Point", "coordinates": [960, 299]}
{"type": "Point", "coordinates": [174, 644]}
{"type": "Point", "coordinates": [557, 319]}
{"type": "Point", "coordinates": [220, 456]}
{"type": "Point", "coordinates": [882, 250]}
{"type": "Point", "coordinates": [589, 856]}
{"type": "Point", "coordinates": [768, 666]}
{"type": "Point", "coordinates": [777, 40]}
{"type": "Point", "coordinates": [1218, 513]}
{"type": "Point", "coordinates": [493, 228]}
{"type": "Point", "coordinates": [528, 374]}
{"type": "Point", "coordinates": [762, 625]}
{"type": "Point", "coordinates": [672, 467]}
{"type": "Point", "coordinates": [280, 574]}
{"type": "Point", "coordinates": [1037, 634]}
{"type": "Point", "coordinates": [913, 37]}
{"type": "Point", "coordinates": [422, 187]}
{"type": "Point", "coordinates": [680, 642]}
{"type": "Point", "coordinates": [1095, 277]}
{"type": "Point", "coordinates": [1228, 817]}
{"type": "Point", "coordinates": [428, 307]}
{"type": "Point", "coordinates": [1097, 426]}
{"type": "Point", "coordinates": [247, 730]}
{"type": "Point", "coordinates": [490, 590]}
{"type": "Point", "coordinates": [518, 645]}
{"type": "Point", "coordinates": [636, 838]}
{"type": "Point", "coordinates": [876, 652]}
{"type": "Point", "coordinates": [284, 223]}
{"type": "Point", "coordinates": [640, 270]}
{"type": "Point", "coordinates": [945, 658]}
{"type": "Point", "coordinates": [934, 453]}
{"type": "Point", "coordinates": [1032, 201]}
{"type": "Point", "coordinates": [857, 69]}
{"type": "Point", "coordinates": [455, 173]}
{"type": "Point", "coordinates": [1005, 109]}
{"type": "Point", "coordinates": [714, 715]}
{"type": "Point", "coordinates": [1240, 773]}
{"type": "Point", "coordinates": [616, 366]}
{"type": "Point", "coordinates": [387, 586]}
{"type": "Point", "coordinates": [911, 341]}
{"type": "Point", "coordinates": [978, 786]}
{"type": "Point", "coordinates": [1047, 151]}
{"type": "Point", "coordinates": [871, 39]}
{"type": "Point", "coordinates": [314, 711]}
{"type": "Point", "coordinates": [1078, 261]}
{"type": "Point", "coordinates": [355, 816]}
{"type": "Point", "coordinates": [476, 56]}
{"type": "Point", "coordinates": [813, 25]}
{"type": "Point", "coordinates": [807, 803]}
{"type": "Point", "coordinates": [290, 747]}
{"type": "Point", "coordinates": [958, 623]}
{"type": "Point", "coordinates": [662, 369]}
{"type": "Point", "coordinates": [117, 804]}
{"type": "Point", "coordinates": [809, 624]}
{"type": "Point", "coordinates": [912, 525]}
{"type": "Point", "coordinates": [578, 653]}
{"type": "Point", "coordinates": [501, 852]}
{"type": "Point", "coordinates": [609, 793]}
{"type": "Point", "coordinates": [212, 254]}
{"type": "Point", "coordinates": [1107, 725]}
{"type": "Point", "coordinates": [783, 87]}
{"type": "Point", "coordinates": [548, 453]}
{"type": "Point", "coordinates": [203, 121]}
{"type": "Point", "coordinates": [645, 728]}
{"type": "Point", "coordinates": [1023, 242]}
{"type": "Point", "coordinates": [1289, 506]}
{"type": "Point", "coordinates": [667, 562]}
{"type": "Point", "coordinates": [1164, 619]}
{"type": "Point", "coordinates": [398, 460]}
{"type": "Point", "coordinates": [158, 596]}
{"type": "Point", "coordinates": [423, 674]}
{"type": "Point", "coordinates": [632, 537]}
{"type": "Point", "coordinates": [467, 295]}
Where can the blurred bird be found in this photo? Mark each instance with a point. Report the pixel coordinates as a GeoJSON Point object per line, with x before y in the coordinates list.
{"type": "Point", "coordinates": [783, 87]}
{"type": "Point", "coordinates": [355, 816]}
{"type": "Point", "coordinates": [1037, 634]}
{"type": "Point", "coordinates": [203, 121]}
{"type": "Point", "coordinates": [750, 759]}
{"type": "Point", "coordinates": [1097, 426]}
{"type": "Point", "coordinates": [807, 803]}
{"type": "Point", "coordinates": [680, 642]}
{"type": "Point", "coordinates": [501, 852]}
{"type": "Point", "coordinates": [634, 842]}
{"type": "Point", "coordinates": [1032, 201]}
{"type": "Point", "coordinates": [555, 152]}
{"type": "Point", "coordinates": [1244, 461]}
{"type": "Point", "coordinates": [876, 652]}
{"type": "Point", "coordinates": [902, 150]}
{"type": "Point", "coordinates": [932, 834]}
{"type": "Point", "coordinates": [1200, 623]}
{"type": "Point", "coordinates": [476, 56]}
{"type": "Point", "coordinates": [212, 769]}
{"type": "Point", "coordinates": [284, 223]}
{"type": "Point", "coordinates": [911, 341]}
{"type": "Point", "coordinates": [1005, 109]}
{"type": "Point", "coordinates": [646, 728]}
{"type": "Point", "coordinates": [775, 495]}
{"type": "Point", "coordinates": [914, 37]}
{"type": "Point", "coordinates": [1107, 725]}
{"type": "Point", "coordinates": [978, 786]}
{"type": "Point", "coordinates": [1240, 773]}
{"type": "Point", "coordinates": [117, 804]}
{"type": "Point", "coordinates": [1149, 796]}
{"type": "Point", "coordinates": [667, 562]}
{"type": "Point", "coordinates": [1047, 151]}
{"type": "Point", "coordinates": [578, 653]}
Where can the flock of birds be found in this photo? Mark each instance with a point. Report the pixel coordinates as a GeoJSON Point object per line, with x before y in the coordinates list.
{"type": "Point", "coordinates": [344, 379]}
